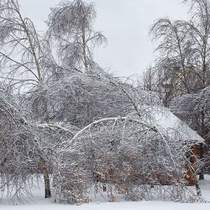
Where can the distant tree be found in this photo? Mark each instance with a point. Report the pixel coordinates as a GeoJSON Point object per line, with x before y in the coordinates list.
{"type": "Point", "coordinates": [174, 49]}
{"type": "Point", "coordinates": [199, 29]}
{"type": "Point", "coordinates": [149, 79]}
{"type": "Point", "coordinates": [184, 51]}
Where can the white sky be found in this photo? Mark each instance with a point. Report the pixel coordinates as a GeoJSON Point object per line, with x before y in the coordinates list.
{"type": "Point", "coordinates": [126, 25]}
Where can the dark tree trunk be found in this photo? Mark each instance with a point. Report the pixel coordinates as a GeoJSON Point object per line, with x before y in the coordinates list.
{"type": "Point", "coordinates": [198, 189]}
{"type": "Point", "coordinates": [201, 174]}
{"type": "Point", "coordinates": [47, 184]}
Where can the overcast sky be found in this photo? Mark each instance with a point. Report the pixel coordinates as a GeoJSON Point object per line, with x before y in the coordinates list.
{"type": "Point", "coordinates": [125, 23]}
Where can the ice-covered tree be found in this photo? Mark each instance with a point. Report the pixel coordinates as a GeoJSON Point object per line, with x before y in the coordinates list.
{"type": "Point", "coordinates": [20, 152]}
{"type": "Point", "coordinates": [78, 99]}
{"type": "Point", "coordinates": [71, 28]}
{"type": "Point", "coordinates": [22, 51]}
{"type": "Point", "coordinates": [183, 46]}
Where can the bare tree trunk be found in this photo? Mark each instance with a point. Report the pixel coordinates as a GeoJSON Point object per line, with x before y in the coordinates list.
{"type": "Point", "coordinates": [198, 189]}
{"type": "Point", "coordinates": [84, 46]}
{"type": "Point", "coordinates": [32, 47]}
{"type": "Point", "coordinates": [47, 184]}
{"type": "Point", "coordinates": [201, 173]}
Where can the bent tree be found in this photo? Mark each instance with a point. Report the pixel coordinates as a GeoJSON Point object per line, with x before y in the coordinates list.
{"type": "Point", "coordinates": [21, 55]}
{"type": "Point", "coordinates": [21, 47]}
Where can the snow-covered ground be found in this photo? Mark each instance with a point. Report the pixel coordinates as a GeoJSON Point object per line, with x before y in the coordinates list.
{"type": "Point", "coordinates": [205, 185]}
{"type": "Point", "coordinates": [38, 203]}
{"type": "Point", "coordinates": [112, 206]}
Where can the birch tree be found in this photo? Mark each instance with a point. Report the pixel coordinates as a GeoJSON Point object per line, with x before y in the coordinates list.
{"type": "Point", "coordinates": [71, 26]}
{"type": "Point", "coordinates": [21, 51]}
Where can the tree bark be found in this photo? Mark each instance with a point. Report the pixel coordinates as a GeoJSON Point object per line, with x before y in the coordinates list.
{"type": "Point", "coordinates": [201, 174]}
{"type": "Point", "coordinates": [198, 189]}
{"type": "Point", "coordinates": [47, 184]}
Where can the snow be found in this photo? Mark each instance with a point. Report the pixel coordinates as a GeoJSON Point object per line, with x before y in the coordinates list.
{"type": "Point", "coordinates": [38, 203]}
{"type": "Point", "coordinates": [205, 186]}
{"type": "Point", "coordinates": [114, 206]}
{"type": "Point", "coordinates": [166, 121]}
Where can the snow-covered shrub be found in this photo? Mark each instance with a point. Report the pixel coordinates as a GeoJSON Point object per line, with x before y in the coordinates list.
{"type": "Point", "coordinates": [125, 153]}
